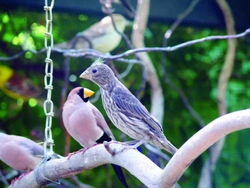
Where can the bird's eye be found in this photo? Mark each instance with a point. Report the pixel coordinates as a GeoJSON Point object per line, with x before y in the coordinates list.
{"type": "Point", "coordinates": [94, 71]}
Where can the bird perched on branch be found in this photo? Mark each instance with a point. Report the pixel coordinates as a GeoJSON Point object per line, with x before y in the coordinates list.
{"type": "Point", "coordinates": [101, 36]}
{"type": "Point", "coordinates": [85, 123]}
{"type": "Point", "coordinates": [16, 85]}
{"type": "Point", "coordinates": [125, 110]}
{"type": "Point", "coordinates": [20, 153]}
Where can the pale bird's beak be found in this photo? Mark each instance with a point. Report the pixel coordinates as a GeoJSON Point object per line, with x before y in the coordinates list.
{"type": "Point", "coordinates": [88, 93]}
{"type": "Point", "coordinates": [85, 75]}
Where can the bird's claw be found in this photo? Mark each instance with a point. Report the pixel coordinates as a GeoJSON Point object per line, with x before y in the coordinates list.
{"type": "Point", "coordinates": [18, 178]}
{"type": "Point", "coordinates": [73, 153]}
{"type": "Point", "coordinates": [111, 151]}
{"type": "Point", "coordinates": [114, 152]}
{"type": "Point", "coordinates": [81, 150]}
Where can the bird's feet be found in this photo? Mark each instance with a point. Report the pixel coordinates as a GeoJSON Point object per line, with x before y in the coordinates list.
{"type": "Point", "coordinates": [45, 159]}
{"type": "Point", "coordinates": [18, 178]}
{"type": "Point", "coordinates": [81, 150]}
{"type": "Point", "coordinates": [107, 147]}
{"type": "Point", "coordinates": [86, 148]}
{"type": "Point", "coordinates": [73, 153]}
{"type": "Point", "coordinates": [127, 145]}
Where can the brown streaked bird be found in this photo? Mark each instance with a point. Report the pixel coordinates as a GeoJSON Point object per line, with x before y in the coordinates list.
{"type": "Point", "coordinates": [101, 36]}
{"type": "Point", "coordinates": [125, 110]}
{"type": "Point", "coordinates": [85, 123]}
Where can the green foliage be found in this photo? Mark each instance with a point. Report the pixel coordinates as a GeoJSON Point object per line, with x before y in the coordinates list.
{"type": "Point", "coordinates": [194, 69]}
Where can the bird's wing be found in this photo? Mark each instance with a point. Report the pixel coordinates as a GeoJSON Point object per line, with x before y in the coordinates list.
{"type": "Point", "coordinates": [133, 108]}
{"type": "Point", "coordinates": [95, 31]}
{"type": "Point", "coordinates": [33, 147]}
{"type": "Point", "coordinates": [85, 39]}
{"type": "Point", "coordinates": [101, 122]}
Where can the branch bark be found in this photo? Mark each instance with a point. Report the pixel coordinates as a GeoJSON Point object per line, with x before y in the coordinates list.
{"type": "Point", "coordinates": [199, 142]}
{"type": "Point", "coordinates": [137, 163]}
{"type": "Point", "coordinates": [140, 23]}
{"type": "Point", "coordinates": [230, 56]}
{"type": "Point", "coordinates": [215, 151]}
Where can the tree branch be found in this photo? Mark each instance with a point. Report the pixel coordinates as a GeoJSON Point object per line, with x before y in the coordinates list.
{"type": "Point", "coordinates": [167, 36]}
{"type": "Point", "coordinates": [199, 142]}
{"type": "Point", "coordinates": [215, 150]}
{"type": "Point", "coordinates": [229, 60]}
{"type": "Point", "coordinates": [95, 53]}
{"type": "Point", "coordinates": [137, 163]}
{"type": "Point", "coordinates": [140, 23]}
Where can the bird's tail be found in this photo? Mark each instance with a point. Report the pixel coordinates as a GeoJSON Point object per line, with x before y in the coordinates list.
{"type": "Point", "coordinates": [163, 143]}
{"type": "Point", "coordinates": [170, 147]}
{"type": "Point", "coordinates": [120, 175]}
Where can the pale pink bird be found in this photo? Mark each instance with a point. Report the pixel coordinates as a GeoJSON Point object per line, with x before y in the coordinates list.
{"type": "Point", "coordinates": [20, 153]}
{"type": "Point", "coordinates": [85, 123]}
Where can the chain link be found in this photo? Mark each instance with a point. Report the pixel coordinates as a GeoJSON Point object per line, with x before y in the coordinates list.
{"type": "Point", "coordinates": [48, 80]}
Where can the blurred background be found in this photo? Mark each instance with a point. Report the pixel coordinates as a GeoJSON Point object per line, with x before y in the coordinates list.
{"type": "Point", "coordinates": [195, 70]}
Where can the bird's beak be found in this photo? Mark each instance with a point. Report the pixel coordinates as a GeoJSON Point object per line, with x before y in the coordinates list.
{"type": "Point", "coordinates": [88, 93]}
{"type": "Point", "coordinates": [85, 75]}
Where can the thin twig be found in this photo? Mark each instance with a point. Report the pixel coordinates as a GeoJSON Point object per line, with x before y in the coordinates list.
{"type": "Point", "coordinates": [169, 32]}
{"type": "Point", "coordinates": [185, 101]}
{"type": "Point", "coordinates": [20, 54]}
{"type": "Point", "coordinates": [126, 72]}
{"type": "Point", "coordinates": [149, 72]}
{"type": "Point", "coordinates": [167, 35]}
{"type": "Point", "coordinates": [179, 19]}
{"type": "Point", "coordinates": [79, 53]}
{"type": "Point", "coordinates": [129, 68]}
{"type": "Point", "coordinates": [224, 77]}
{"type": "Point", "coordinates": [124, 36]}
{"type": "Point", "coordinates": [95, 53]}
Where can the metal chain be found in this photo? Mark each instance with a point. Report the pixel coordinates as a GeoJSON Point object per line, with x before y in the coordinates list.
{"type": "Point", "coordinates": [48, 80]}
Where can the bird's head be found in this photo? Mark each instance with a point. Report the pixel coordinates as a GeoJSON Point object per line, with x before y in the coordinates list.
{"type": "Point", "coordinates": [5, 74]}
{"type": "Point", "coordinates": [83, 93]}
{"type": "Point", "coordinates": [119, 20]}
{"type": "Point", "coordinates": [100, 74]}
